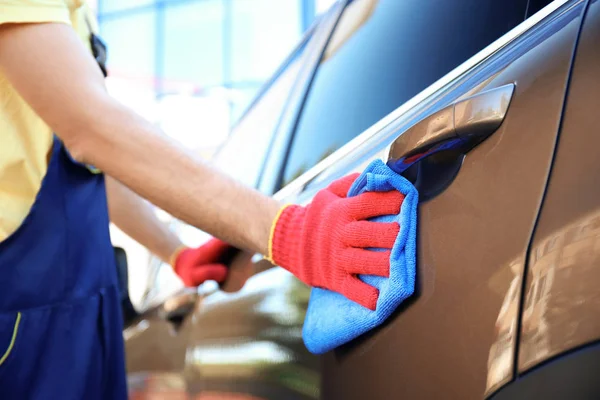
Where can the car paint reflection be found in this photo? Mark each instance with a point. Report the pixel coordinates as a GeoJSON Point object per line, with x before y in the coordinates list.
{"type": "Point", "coordinates": [559, 290]}
{"type": "Point", "coordinates": [501, 354]}
{"type": "Point", "coordinates": [254, 352]}
{"type": "Point", "coordinates": [172, 387]}
{"type": "Point", "coordinates": [135, 330]}
{"type": "Point", "coordinates": [253, 339]}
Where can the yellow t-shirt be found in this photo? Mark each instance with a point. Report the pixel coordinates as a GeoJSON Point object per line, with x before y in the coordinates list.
{"type": "Point", "coordinates": [25, 139]}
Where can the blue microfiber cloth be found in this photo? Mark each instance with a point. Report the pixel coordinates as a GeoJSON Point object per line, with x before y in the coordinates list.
{"type": "Point", "coordinates": [331, 319]}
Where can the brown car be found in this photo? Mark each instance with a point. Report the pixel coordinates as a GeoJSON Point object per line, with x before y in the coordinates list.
{"type": "Point", "coordinates": [499, 102]}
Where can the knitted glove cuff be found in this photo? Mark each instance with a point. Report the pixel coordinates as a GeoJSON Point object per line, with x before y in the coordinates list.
{"type": "Point", "coordinates": [176, 254]}
{"type": "Point", "coordinates": [285, 232]}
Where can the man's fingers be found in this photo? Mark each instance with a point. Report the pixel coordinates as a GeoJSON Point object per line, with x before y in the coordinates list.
{"type": "Point", "coordinates": [367, 262]}
{"type": "Point", "coordinates": [364, 234]}
{"type": "Point", "coordinates": [373, 204]}
{"type": "Point", "coordinates": [341, 186]}
{"type": "Point", "coordinates": [360, 292]}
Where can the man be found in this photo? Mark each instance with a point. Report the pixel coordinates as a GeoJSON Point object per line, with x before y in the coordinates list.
{"type": "Point", "coordinates": [60, 323]}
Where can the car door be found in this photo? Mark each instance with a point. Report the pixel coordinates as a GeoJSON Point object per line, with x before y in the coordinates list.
{"type": "Point", "coordinates": [456, 337]}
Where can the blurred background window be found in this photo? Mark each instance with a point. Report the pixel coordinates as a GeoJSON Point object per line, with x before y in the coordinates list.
{"type": "Point", "coordinates": [193, 45]}
{"type": "Point", "coordinates": [134, 62]}
{"type": "Point", "coordinates": [398, 56]}
{"type": "Point", "coordinates": [262, 32]}
{"type": "Point", "coordinates": [224, 49]}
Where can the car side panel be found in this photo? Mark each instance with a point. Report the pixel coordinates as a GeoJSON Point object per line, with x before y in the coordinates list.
{"type": "Point", "coordinates": [155, 353]}
{"type": "Point", "coordinates": [562, 302]}
{"type": "Point", "coordinates": [572, 376]}
{"type": "Point", "coordinates": [250, 342]}
{"type": "Point", "coordinates": [456, 338]}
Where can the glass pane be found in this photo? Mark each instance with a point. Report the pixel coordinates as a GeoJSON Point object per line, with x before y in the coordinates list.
{"type": "Point", "coordinates": [194, 44]}
{"type": "Point", "coordinates": [536, 5]}
{"type": "Point", "coordinates": [263, 33]}
{"type": "Point", "coordinates": [382, 54]}
{"type": "Point", "coordinates": [106, 6]}
{"type": "Point", "coordinates": [244, 153]}
{"type": "Point", "coordinates": [132, 58]}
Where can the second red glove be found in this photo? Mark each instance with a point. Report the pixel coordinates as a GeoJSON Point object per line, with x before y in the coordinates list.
{"type": "Point", "coordinates": [196, 265]}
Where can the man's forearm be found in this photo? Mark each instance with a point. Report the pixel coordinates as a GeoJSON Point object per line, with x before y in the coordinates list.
{"type": "Point", "coordinates": [55, 74]}
{"type": "Point", "coordinates": [134, 216]}
{"type": "Point", "coordinates": [172, 178]}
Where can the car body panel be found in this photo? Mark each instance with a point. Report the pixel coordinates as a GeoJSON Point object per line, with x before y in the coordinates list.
{"type": "Point", "coordinates": [155, 348]}
{"type": "Point", "coordinates": [456, 338]}
{"type": "Point", "coordinates": [573, 375]}
{"type": "Point", "coordinates": [250, 341]}
{"type": "Point", "coordinates": [562, 300]}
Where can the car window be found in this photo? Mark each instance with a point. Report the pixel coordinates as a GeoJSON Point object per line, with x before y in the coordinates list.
{"type": "Point", "coordinates": [382, 53]}
{"type": "Point", "coordinates": [536, 5]}
{"type": "Point", "coordinates": [242, 156]}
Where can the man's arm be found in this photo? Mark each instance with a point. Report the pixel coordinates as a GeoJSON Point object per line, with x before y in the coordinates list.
{"type": "Point", "coordinates": [54, 73]}
{"type": "Point", "coordinates": [326, 243]}
{"type": "Point", "coordinates": [135, 217]}
{"type": "Point", "coordinates": [194, 266]}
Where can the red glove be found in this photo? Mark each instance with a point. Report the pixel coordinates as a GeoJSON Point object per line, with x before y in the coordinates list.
{"type": "Point", "coordinates": [325, 243]}
{"type": "Point", "coordinates": [207, 262]}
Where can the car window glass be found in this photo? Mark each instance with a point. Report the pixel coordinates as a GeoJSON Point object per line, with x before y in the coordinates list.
{"type": "Point", "coordinates": [382, 53]}
{"type": "Point", "coordinates": [243, 154]}
{"type": "Point", "coordinates": [536, 5]}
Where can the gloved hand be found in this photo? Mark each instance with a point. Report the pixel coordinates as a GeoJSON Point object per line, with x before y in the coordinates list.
{"type": "Point", "coordinates": [325, 244]}
{"type": "Point", "coordinates": [197, 265]}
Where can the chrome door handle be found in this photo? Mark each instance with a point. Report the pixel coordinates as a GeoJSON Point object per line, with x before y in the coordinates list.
{"type": "Point", "coordinates": [461, 125]}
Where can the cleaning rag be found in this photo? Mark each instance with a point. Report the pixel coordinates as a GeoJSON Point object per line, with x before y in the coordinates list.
{"type": "Point", "coordinates": [331, 319]}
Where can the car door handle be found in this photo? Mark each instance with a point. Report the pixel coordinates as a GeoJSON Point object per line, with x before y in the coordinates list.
{"type": "Point", "coordinates": [460, 126]}
{"type": "Point", "coordinates": [178, 307]}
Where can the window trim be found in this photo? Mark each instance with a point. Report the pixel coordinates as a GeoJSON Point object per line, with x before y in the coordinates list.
{"type": "Point", "coordinates": [290, 113]}
{"type": "Point", "coordinates": [278, 184]}
{"type": "Point", "coordinates": [305, 41]}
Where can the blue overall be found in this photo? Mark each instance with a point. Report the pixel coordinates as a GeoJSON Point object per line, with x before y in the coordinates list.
{"type": "Point", "coordinates": [60, 317]}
